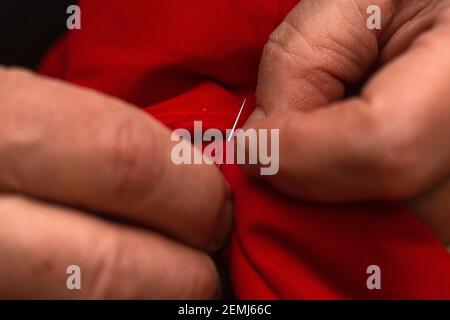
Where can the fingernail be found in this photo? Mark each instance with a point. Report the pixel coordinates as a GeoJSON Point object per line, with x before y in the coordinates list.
{"type": "Point", "coordinates": [224, 227]}
{"type": "Point", "coordinates": [257, 114]}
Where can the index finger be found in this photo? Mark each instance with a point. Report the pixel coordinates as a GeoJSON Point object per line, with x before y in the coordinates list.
{"type": "Point", "coordinates": [82, 148]}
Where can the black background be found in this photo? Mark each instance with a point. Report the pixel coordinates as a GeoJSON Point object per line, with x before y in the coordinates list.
{"type": "Point", "coordinates": [28, 28]}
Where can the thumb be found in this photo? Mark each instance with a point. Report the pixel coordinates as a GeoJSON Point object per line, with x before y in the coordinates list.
{"type": "Point", "coordinates": [321, 46]}
{"type": "Point", "coordinates": [387, 143]}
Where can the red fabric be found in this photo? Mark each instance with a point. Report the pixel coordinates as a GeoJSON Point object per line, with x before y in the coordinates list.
{"type": "Point", "coordinates": [184, 61]}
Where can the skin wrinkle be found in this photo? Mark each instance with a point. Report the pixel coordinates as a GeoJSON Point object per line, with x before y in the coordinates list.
{"type": "Point", "coordinates": [397, 164]}
{"type": "Point", "coordinates": [95, 173]}
{"type": "Point", "coordinates": [294, 57]}
{"type": "Point", "coordinates": [338, 73]}
{"type": "Point", "coordinates": [318, 88]}
{"type": "Point", "coordinates": [352, 57]}
{"type": "Point", "coordinates": [282, 45]}
{"type": "Point", "coordinates": [401, 20]}
{"type": "Point", "coordinates": [119, 253]}
{"type": "Point", "coordinates": [351, 26]}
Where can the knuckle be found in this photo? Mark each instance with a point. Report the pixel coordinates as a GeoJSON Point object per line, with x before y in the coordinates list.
{"type": "Point", "coordinates": [113, 270]}
{"type": "Point", "coordinates": [286, 43]}
{"type": "Point", "coordinates": [132, 157]}
{"type": "Point", "coordinates": [275, 55]}
{"type": "Point", "coordinates": [118, 273]}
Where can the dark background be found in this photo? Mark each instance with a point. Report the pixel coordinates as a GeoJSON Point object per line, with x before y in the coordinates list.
{"type": "Point", "coordinates": [29, 27]}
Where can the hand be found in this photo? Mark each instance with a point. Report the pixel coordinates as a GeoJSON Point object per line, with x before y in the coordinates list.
{"type": "Point", "coordinates": [67, 152]}
{"type": "Point", "coordinates": [391, 141]}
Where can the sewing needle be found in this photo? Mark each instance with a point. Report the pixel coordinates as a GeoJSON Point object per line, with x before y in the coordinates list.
{"type": "Point", "coordinates": [234, 126]}
{"type": "Point", "coordinates": [237, 120]}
